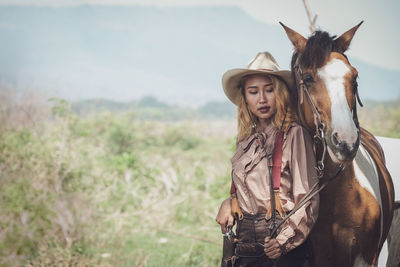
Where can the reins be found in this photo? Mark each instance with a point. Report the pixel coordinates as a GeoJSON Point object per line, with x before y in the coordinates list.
{"type": "Point", "coordinates": [319, 137]}
{"type": "Point", "coordinates": [322, 183]}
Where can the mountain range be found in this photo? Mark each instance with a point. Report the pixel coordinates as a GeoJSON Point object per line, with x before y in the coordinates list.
{"type": "Point", "coordinates": [176, 54]}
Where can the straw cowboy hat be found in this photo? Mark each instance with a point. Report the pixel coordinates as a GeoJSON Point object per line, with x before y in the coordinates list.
{"type": "Point", "coordinates": [263, 63]}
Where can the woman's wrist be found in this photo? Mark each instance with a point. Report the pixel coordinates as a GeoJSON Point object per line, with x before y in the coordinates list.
{"type": "Point", "coordinates": [283, 249]}
{"type": "Point", "coordinates": [287, 245]}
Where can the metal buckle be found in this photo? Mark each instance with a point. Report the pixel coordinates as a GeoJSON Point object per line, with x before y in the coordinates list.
{"type": "Point", "coordinates": [229, 233]}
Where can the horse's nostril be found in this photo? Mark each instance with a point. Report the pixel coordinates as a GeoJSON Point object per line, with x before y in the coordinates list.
{"type": "Point", "coordinates": [335, 140]}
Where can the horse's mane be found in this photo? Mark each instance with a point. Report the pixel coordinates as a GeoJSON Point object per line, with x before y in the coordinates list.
{"type": "Point", "coordinates": [317, 49]}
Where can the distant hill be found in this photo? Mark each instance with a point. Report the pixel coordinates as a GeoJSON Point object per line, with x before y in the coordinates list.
{"type": "Point", "coordinates": [96, 105]}
{"type": "Point", "coordinates": [149, 107]}
{"type": "Point", "coordinates": [177, 54]}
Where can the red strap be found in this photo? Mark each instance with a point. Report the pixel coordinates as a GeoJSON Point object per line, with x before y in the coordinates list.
{"type": "Point", "coordinates": [233, 187]}
{"type": "Point", "coordinates": [276, 165]}
{"type": "Point", "coordinates": [277, 160]}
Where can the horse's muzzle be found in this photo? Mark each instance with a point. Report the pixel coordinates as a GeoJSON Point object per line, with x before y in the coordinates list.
{"type": "Point", "coordinates": [341, 151]}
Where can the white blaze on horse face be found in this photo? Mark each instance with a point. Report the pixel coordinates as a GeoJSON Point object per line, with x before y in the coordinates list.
{"type": "Point", "coordinates": [342, 120]}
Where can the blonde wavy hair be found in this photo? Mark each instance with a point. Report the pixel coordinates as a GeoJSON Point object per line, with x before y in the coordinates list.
{"type": "Point", "coordinates": [283, 101]}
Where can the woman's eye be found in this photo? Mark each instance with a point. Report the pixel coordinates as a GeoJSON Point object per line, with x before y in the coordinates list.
{"type": "Point", "coordinates": [253, 92]}
{"type": "Point", "coordinates": [269, 90]}
{"type": "Point", "coordinates": [308, 78]}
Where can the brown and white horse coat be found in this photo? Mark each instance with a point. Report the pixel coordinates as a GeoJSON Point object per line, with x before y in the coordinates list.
{"type": "Point", "coordinates": [356, 208]}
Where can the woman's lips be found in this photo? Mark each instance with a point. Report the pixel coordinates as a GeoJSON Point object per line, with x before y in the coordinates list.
{"type": "Point", "coordinates": [263, 109]}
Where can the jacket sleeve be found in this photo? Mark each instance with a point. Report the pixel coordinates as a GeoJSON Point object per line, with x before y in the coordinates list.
{"type": "Point", "coordinates": [302, 165]}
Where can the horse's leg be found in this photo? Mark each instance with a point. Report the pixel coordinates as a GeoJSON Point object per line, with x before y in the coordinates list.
{"type": "Point", "coordinates": [334, 243]}
{"type": "Point", "coordinates": [348, 226]}
{"type": "Point", "coordinates": [322, 243]}
{"type": "Point", "coordinates": [345, 244]}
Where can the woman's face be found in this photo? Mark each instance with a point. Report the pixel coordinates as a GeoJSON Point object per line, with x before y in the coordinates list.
{"type": "Point", "coordinates": [260, 96]}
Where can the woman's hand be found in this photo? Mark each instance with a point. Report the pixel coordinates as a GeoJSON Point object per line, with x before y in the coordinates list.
{"type": "Point", "coordinates": [224, 216]}
{"type": "Point", "coordinates": [272, 248]}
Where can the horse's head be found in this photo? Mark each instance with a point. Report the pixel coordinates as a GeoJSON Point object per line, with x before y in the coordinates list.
{"type": "Point", "coordinates": [327, 89]}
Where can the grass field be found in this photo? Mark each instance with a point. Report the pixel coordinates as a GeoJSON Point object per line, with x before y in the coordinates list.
{"type": "Point", "coordinates": [110, 189]}
{"type": "Point", "coordinates": [114, 189]}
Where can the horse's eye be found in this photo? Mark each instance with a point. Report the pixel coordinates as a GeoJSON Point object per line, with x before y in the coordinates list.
{"type": "Point", "coordinates": [308, 78]}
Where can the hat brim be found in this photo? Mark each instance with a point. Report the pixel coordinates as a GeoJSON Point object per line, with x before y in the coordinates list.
{"type": "Point", "coordinates": [231, 79]}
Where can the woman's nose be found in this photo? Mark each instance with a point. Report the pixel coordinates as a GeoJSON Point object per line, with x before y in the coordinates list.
{"type": "Point", "coordinates": [262, 97]}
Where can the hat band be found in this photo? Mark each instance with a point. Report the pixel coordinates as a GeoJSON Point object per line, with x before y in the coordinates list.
{"type": "Point", "coordinates": [265, 69]}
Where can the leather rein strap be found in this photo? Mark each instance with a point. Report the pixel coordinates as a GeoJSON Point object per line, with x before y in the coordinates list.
{"type": "Point", "coordinates": [322, 183]}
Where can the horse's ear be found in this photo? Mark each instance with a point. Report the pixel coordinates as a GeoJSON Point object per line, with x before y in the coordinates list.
{"type": "Point", "coordinates": [298, 41]}
{"type": "Point", "coordinates": [343, 42]}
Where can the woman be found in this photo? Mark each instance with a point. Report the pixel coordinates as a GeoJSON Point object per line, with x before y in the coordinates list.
{"type": "Point", "coordinates": [261, 92]}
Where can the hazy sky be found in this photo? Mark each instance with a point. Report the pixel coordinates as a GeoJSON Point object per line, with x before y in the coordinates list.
{"type": "Point", "coordinates": [375, 42]}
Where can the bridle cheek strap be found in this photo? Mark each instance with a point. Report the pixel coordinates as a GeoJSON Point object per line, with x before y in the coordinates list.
{"type": "Point", "coordinates": [304, 90]}
{"type": "Point", "coordinates": [319, 136]}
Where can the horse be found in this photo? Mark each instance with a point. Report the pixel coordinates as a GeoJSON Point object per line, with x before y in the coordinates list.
{"type": "Point", "coordinates": [356, 207]}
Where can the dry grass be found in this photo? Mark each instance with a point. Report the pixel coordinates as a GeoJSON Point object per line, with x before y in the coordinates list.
{"type": "Point", "coordinates": [108, 189]}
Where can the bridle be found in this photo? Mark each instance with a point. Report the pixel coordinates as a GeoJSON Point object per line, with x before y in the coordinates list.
{"type": "Point", "coordinates": [319, 136]}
